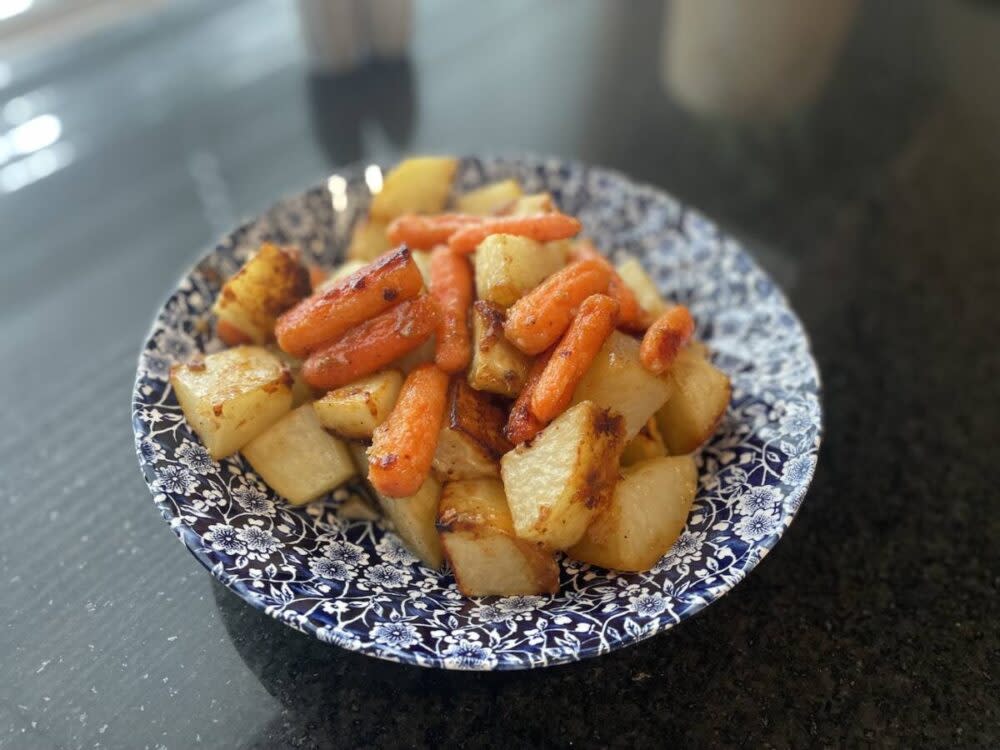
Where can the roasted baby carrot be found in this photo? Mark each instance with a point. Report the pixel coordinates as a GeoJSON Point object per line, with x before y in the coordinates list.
{"type": "Point", "coordinates": [668, 334]}
{"type": "Point", "coordinates": [367, 292]}
{"type": "Point", "coordinates": [230, 334]}
{"type": "Point", "coordinates": [631, 316]}
{"type": "Point", "coordinates": [569, 362]}
{"type": "Point", "coordinates": [424, 232]}
{"type": "Point", "coordinates": [451, 288]}
{"type": "Point", "coordinates": [537, 320]}
{"type": "Point", "coordinates": [403, 445]}
{"type": "Point", "coordinates": [541, 227]}
{"type": "Point", "coordinates": [522, 425]}
{"type": "Point", "coordinates": [372, 345]}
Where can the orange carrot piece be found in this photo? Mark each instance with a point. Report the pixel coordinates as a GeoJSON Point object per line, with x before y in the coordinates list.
{"type": "Point", "coordinates": [452, 289]}
{"type": "Point", "coordinates": [594, 322]}
{"type": "Point", "coordinates": [537, 320]}
{"type": "Point", "coordinates": [522, 425]}
{"type": "Point", "coordinates": [668, 334]}
{"type": "Point", "coordinates": [403, 445]}
{"type": "Point", "coordinates": [631, 316]}
{"type": "Point", "coordinates": [372, 345]}
{"type": "Point", "coordinates": [230, 334]}
{"type": "Point", "coordinates": [541, 227]}
{"type": "Point", "coordinates": [367, 292]}
{"type": "Point", "coordinates": [424, 232]}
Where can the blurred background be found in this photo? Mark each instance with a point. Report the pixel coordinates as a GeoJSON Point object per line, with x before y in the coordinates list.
{"type": "Point", "coordinates": [852, 144]}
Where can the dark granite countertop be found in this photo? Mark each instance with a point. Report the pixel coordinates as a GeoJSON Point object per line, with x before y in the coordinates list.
{"type": "Point", "coordinates": [874, 200]}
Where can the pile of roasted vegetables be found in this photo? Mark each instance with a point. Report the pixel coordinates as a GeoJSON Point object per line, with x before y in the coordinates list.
{"type": "Point", "coordinates": [506, 391]}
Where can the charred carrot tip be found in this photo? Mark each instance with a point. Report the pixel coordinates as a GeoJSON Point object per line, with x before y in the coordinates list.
{"type": "Point", "coordinates": [665, 338]}
{"type": "Point", "coordinates": [522, 425]}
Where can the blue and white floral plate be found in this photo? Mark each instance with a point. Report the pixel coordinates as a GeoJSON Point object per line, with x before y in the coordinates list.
{"type": "Point", "coordinates": [353, 584]}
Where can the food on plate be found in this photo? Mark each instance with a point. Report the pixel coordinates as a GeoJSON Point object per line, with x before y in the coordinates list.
{"type": "Point", "coordinates": [485, 554]}
{"type": "Point", "coordinates": [250, 302]}
{"type": "Point", "coordinates": [522, 424]}
{"type": "Point", "coordinates": [413, 517]}
{"type": "Point", "coordinates": [427, 232]}
{"type": "Point", "coordinates": [665, 338]}
{"type": "Point", "coordinates": [355, 410]}
{"type": "Point", "coordinates": [536, 203]}
{"type": "Point", "coordinates": [617, 380]}
{"type": "Point", "coordinates": [647, 444]}
{"type": "Point", "coordinates": [507, 394]}
{"type": "Point", "coordinates": [372, 345]}
{"type": "Point", "coordinates": [298, 458]}
{"type": "Point", "coordinates": [700, 395]}
{"type": "Point", "coordinates": [471, 441]}
{"type": "Point", "coordinates": [356, 298]}
{"type": "Point", "coordinates": [560, 481]}
{"type": "Point", "coordinates": [403, 446]}
{"type": "Point", "coordinates": [232, 396]}
{"type": "Point", "coordinates": [537, 320]}
{"type": "Point", "coordinates": [490, 199]}
{"type": "Point", "coordinates": [635, 277]}
{"type": "Point", "coordinates": [542, 227]}
{"type": "Point", "coordinates": [497, 365]}
{"type": "Point", "coordinates": [451, 289]}
{"type": "Point", "coordinates": [631, 316]}
{"type": "Point", "coordinates": [416, 186]}
{"type": "Point", "coordinates": [369, 240]}
{"type": "Point", "coordinates": [508, 266]}
{"type": "Point", "coordinates": [301, 391]}
{"type": "Point", "coordinates": [647, 512]}
{"type": "Point", "coordinates": [587, 332]}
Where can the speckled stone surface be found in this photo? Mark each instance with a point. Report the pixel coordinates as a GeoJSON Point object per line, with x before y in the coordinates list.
{"type": "Point", "coordinates": [873, 622]}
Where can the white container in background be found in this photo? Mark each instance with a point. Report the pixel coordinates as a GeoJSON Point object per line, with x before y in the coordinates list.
{"type": "Point", "coordinates": [753, 60]}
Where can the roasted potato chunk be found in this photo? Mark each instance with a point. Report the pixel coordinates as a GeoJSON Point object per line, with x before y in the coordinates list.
{"type": "Point", "coordinates": [508, 266]}
{"type": "Point", "coordinates": [232, 396]}
{"type": "Point", "coordinates": [416, 186]}
{"type": "Point", "coordinates": [647, 444]}
{"type": "Point", "coordinates": [412, 518]}
{"type": "Point", "coordinates": [301, 391]}
{"type": "Point", "coordinates": [617, 380]}
{"type": "Point", "coordinates": [298, 458]}
{"type": "Point", "coordinates": [497, 365]}
{"type": "Point", "coordinates": [423, 260]}
{"type": "Point", "coordinates": [471, 440]}
{"type": "Point", "coordinates": [272, 281]}
{"type": "Point", "coordinates": [490, 198]}
{"type": "Point", "coordinates": [478, 538]}
{"type": "Point", "coordinates": [355, 410]}
{"type": "Point", "coordinates": [422, 355]}
{"type": "Point", "coordinates": [368, 241]}
{"type": "Point", "coordinates": [647, 513]}
{"type": "Point", "coordinates": [342, 271]}
{"type": "Point", "coordinates": [558, 483]}
{"type": "Point", "coordinates": [636, 279]}
{"type": "Point", "coordinates": [700, 395]}
{"type": "Point", "coordinates": [536, 203]}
